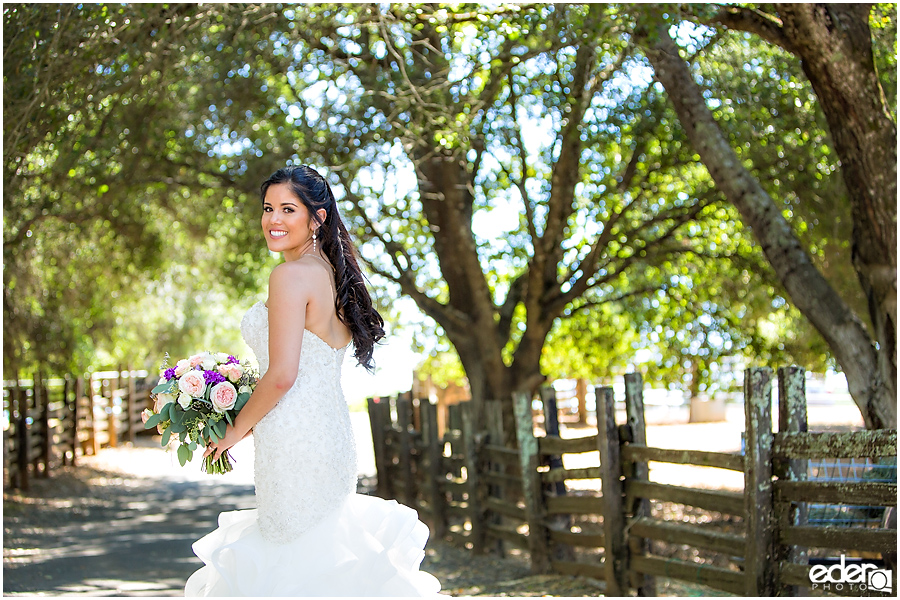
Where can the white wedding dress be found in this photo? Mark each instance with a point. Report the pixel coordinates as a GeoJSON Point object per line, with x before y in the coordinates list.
{"type": "Point", "coordinates": [311, 534]}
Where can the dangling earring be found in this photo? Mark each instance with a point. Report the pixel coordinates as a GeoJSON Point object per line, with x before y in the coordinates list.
{"type": "Point", "coordinates": [314, 241]}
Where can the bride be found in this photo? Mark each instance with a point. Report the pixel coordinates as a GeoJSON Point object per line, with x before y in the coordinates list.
{"type": "Point", "coordinates": [311, 534]}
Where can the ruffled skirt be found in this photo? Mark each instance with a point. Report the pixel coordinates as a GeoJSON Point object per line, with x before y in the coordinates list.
{"type": "Point", "coordinates": [368, 547]}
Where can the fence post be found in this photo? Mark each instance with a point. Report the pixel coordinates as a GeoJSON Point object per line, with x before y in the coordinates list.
{"type": "Point", "coordinates": [46, 434]}
{"type": "Point", "coordinates": [404, 421]}
{"type": "Point", "coordinates": [22, 437]}
{"type": "Point", "coordinates": [377, 409]}
{"type": "Point", "coordinates": [640, 471]}
{"type": "Point", "coordinates": [36, 425]}
{"type": "Point", "coordinates": [130, 402]}
{"type": "Point", "coordinates": [581, 395]}
{"type": "Point", "coordinates": [559, 522]}
{"type": "Point", "coordinates": [760, 569]}
{"type": "Point", "coordinates": [532, 487]}
{"type": "Point", "coordinates": [435, 453]}
{"type": "Point", "coordinates": [615, 551]}
{"type": "Point", "coordinates": [112, 423]}
{"type": "Point", "coordinates": [65, 412]}
{"type": "Point", "coordinates": [470, 460]}
{"type": "Point", "coordinates": [792, 418]}
{"type": "Point", "coordinates": [551, 426]}
{"type": "Point", "coordinates": [493, 419]}
{"type": "Point", "coordinates": [95, 441]}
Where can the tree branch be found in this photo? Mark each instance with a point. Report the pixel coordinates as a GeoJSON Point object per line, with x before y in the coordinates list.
{"type": "Point", "coordinates": [448, 317]}
{"type": "Point", "coordinates": [753, 20]}
{"type": "Point", "coordinates": [520, 182]}
{"type": "Point", "coordinates": [513, 297]}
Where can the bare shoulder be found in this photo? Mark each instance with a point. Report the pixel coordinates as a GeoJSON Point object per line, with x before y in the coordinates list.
{"type": "Point", "coordinates": [293, 278]}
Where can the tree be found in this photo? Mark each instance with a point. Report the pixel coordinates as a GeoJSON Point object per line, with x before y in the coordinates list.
{"type": "Point", "coordinates": [101, 196]}
{"type": "Point", "coordinates": [450, 95]}
{"type": "Point", "coordinates": [870, 369]}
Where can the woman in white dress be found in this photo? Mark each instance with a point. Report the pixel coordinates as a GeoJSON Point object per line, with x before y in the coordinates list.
{"type": "Point", "coordinates": [311, 534]}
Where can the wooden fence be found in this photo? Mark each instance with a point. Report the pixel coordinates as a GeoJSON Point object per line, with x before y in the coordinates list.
{"type": "Point", "coordinates": [49, 422]}
{"type": "Point", "coordinates": [478, 493]}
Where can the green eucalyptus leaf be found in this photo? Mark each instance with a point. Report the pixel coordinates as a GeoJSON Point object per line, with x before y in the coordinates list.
{"type": "Point", "coordinates": [184, 454]}
{"type": "Point", "coordinates": [163, 388]}
{"type": "Point", "coordinates": [241, 401]}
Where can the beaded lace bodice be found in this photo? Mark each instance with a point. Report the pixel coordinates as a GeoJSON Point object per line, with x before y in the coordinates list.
{"type": "Point", "coordinates": [305, 453]}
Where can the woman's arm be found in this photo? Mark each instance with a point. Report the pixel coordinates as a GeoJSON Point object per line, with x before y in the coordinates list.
{"type": "Point", "coordinates": [289, 296]}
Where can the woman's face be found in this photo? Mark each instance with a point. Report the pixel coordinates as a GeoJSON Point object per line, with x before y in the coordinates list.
{"type": "Point", "coordinates": [285, 222]}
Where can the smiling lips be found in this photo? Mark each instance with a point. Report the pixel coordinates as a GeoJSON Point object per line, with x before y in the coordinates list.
{"type": "Point", "coordinates": [278, 234]}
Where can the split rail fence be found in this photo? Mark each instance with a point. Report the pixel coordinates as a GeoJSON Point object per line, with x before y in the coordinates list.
{"type": "Point", "coordinates": [50, 421]}
{"type": "Point", "coordinates": [474, 491]}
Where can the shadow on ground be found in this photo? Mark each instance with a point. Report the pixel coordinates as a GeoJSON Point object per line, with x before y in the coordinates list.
{"type": "Point", "coordinates": [93, 532]}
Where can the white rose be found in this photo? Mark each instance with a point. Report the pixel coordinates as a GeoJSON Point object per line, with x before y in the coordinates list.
{"type": "Point", "coordinates": [184, 400]}
{"type": "Point", "coordinates": [221, 357]}
{"type": "Point", "coordinates": [244, 389]}
{"type": "Point", "coordinates": [208, 362]}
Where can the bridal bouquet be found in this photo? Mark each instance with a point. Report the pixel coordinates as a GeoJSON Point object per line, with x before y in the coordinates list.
{"type": "Point", "coordinates": [195, 400]}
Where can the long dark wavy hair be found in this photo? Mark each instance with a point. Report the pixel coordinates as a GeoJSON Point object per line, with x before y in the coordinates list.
{"type": "Point", "coordinates": [352, 301]}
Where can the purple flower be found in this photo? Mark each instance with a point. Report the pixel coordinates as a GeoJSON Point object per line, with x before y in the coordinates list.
{"type": "Point", "coordinates": [169, 374]}
{"type": "Point", "coordinates": [232, 360]}
{"type": "Point", "coordinates": [212, 378]}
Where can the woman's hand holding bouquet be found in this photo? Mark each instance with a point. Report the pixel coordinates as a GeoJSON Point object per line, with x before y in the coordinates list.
{"type": "Point", "coordinates": [196, 400]}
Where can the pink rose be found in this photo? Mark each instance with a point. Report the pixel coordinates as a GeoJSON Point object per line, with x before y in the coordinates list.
{"type": "Point", "coordinates": [161, 400]}
{"type": "Point", "coordinates": [195, 360]}
{"type": "Point", "coordinates": [223, 396]}
{"type": "Point", "coordinates": [182, 367]}
{"type": "Point", "coordinates": [234, 372]}
{"type": "Point", "coordinates": [193, 384]}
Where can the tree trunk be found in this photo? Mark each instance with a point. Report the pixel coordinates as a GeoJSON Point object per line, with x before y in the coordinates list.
{"type": "Point", "coordinates": [810, 292]}
{"type": "Point", "coordinates": [834, 44]}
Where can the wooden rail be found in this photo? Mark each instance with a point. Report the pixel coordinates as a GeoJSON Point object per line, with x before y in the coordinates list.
{"type": "Point", "coordinates": [698, 458]}
{"type": "Point", "coordinates": [858, 444]}
{"type": "Point", "coordinates": [714, 500]}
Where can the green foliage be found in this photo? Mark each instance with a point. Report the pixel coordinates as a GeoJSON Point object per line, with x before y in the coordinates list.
{"type": "Point", "coordinates": [591, 344]}
{"type": "Point", "coordinates": [137, 136]}
{"type": "Point", "coordinates": [106, 196]}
